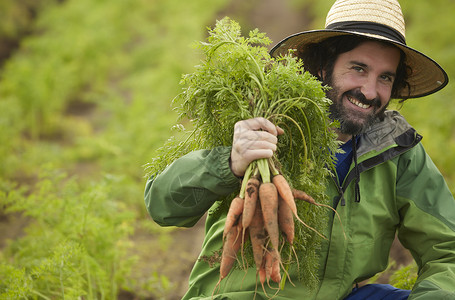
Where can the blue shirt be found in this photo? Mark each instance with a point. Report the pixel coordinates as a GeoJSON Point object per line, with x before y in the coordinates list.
{"type": "Point", "coordinates": [344, 160]}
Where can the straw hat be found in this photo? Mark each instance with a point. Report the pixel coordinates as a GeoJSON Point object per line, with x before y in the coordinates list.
{"type": "Point", "coordinates": [376, 19]}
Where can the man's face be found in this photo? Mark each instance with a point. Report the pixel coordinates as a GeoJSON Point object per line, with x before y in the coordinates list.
{"type": "Point", "coordinates": [362, 81]}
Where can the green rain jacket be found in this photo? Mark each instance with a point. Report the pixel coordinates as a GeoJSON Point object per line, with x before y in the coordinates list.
{"type": "Point", "coordinates": [401, 191]}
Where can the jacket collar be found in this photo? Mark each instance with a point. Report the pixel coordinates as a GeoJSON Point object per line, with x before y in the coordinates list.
{"type": "Point", "coordinates": [384, 134]}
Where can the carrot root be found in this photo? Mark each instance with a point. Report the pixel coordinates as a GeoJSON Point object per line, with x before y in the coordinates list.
{"type": "Point", "coordinates": [262, 212]}
{"type": "Point", "coordinates": [268, 197]}
{"type": "Point", "coordinates": [251, 199]}
{"type": "Point", "coordinates": [301, 195]}
{"type": "Point", "coordinates": [235, 210]}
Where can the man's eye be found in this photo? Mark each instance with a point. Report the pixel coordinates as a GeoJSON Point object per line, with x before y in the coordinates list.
{"type": "Point", "coordinates": [358, 69]}
{"type": "Point", "coordinates": [387, 78]}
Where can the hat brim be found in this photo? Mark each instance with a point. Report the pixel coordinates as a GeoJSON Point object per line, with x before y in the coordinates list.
{"type": "Point", "coordinates": [427, 76]}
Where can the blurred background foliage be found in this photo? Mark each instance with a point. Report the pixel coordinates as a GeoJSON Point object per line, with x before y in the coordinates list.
{"type": "Point", "coordinates": [85, 94]}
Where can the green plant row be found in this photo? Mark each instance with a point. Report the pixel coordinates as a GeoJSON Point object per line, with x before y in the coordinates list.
{"type": "Point", "coordinates": [75, 244]}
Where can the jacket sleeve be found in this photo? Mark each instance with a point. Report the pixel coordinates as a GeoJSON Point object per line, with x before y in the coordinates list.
{"type": "Point", "coordinates": [187, 188]}
{"type": "Point", "coordinates": [427, 210]}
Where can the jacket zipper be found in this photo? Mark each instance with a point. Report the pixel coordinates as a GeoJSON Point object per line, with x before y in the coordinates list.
{"type": "Point", "coordinates": [404, 144]}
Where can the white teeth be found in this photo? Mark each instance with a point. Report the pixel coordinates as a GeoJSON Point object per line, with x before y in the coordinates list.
{"type": "Point", "coordinates": [353, 101]}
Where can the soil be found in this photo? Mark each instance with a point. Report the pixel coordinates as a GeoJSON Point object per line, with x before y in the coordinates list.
{"type": "Point", "coordinates": [176, 258]}
{"type": "Point", "coordinates": [11, 227]}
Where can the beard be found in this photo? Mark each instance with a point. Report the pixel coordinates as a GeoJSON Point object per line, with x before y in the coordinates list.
{"type": "Point", "coordinates": [353, 122]}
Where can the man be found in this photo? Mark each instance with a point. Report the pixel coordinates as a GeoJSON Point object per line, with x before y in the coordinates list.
{"type": "Point", "coordinates": [385, 182]}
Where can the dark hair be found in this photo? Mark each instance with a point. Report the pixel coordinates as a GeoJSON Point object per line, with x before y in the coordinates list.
{"type": "Point", "coordinates": [322, 56]}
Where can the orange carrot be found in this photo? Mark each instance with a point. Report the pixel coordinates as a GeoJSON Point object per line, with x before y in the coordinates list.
{"type": "Point", "coordinates": [287, 227]}
{"type": "Point", "coordinates": [250, 203]}
{"type": "Point", "coordinates": [286, 193]}
{"type": "Point", "coordinates": [286, 220]}
{"type": "Point", "coordinates": [272, 265]}
{"type": "Point", "coordinates": [275, 275]}
{"type": "Point", "coordinates": [235, 210]}
{"type": "Point", "coordinates": [231, 245]}
{"type": "Point", "coordinates": [251, 197]}
{"type": "Point", "coordinates": [301, 195]}
{"type": "Point", "coordinates": [268, 258]}
{"type": "Point", "coordinates": [258, 236]}
{"type": "Point", "coordinates": [230, 248]}
{"type": "Point", "coordinates": [268, 197]}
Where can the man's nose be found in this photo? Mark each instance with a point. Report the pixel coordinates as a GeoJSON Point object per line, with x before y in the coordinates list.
{"type": "Point", "coordinates": [369, 88]}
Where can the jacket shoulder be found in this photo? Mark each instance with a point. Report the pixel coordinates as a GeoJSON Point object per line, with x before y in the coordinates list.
{"type": "Point", "coordinates": [392, 130]}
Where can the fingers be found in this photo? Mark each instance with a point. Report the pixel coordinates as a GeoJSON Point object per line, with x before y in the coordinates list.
{"type": "Point", "coordinates": [279, 130]}
{"type": "Point", "coordinates": [253, 139]}
{"type": "Point", "coordinates": [259, 124]}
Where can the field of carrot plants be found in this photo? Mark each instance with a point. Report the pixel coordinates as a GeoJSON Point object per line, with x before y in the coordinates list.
{"type": "Point", "coordinates": [85, 101]}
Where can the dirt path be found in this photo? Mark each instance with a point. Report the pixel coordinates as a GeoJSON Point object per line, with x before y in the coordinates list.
{"type": "Point", "coordinates": [11, 227]}
{"type": "Point", "coordinates": [165, 261]}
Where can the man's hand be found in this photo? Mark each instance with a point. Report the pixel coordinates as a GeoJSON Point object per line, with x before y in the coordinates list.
{"type": "Point", "coordinates": [253, 139]}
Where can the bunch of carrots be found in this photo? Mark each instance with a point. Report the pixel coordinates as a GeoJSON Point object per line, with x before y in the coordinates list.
{"type": "Point", "coordinates": [264, 209]}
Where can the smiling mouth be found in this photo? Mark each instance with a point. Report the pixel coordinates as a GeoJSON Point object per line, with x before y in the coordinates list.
{"type": "Point", "coordinates": [358, 103]}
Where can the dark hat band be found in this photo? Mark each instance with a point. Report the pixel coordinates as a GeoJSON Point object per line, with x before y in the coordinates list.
{"type": "Point", "coordinates": [369, 28]}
